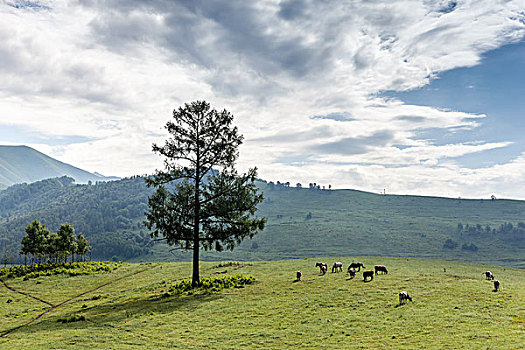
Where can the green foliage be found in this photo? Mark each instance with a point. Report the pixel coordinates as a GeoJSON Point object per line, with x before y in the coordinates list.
{"type": "Point", "coordinates": [211, 206]}
{"type": "Point", "coordinates": [109, 214]}
{"type": "Point", "coordinates": [39, 242]}
{"type": "Point", "coordinates": [450, 244]}
{"type": "Point", "coordinates": [470, 247]}
{"type": "Point", "coordinates": [50, 269]}
{"type": "Point", "coordinates": [36, 240]}
{"type": "Point", "coordinates": [229, 264]}
{"type": "Point", "coordinates": [506, 230]}
{"type": "Point", "coordinates": [208, 285]}
{"type": "Point", "coordinates": [70, 319]}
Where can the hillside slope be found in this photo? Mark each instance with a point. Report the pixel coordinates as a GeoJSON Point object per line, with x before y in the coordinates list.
{"type": "Point", "coordinates": [301, 223]}
{"type": "Point", "coordinates": [19, 164]}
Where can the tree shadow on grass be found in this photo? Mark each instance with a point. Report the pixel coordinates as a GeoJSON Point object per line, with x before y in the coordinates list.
{"type": "Point", "coordinates": [112, 314]}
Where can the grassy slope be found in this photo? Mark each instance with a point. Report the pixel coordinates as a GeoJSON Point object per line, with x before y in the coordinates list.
{"type": "Point", "coordinates": [348, 222]}
{"type": "Point", "coordinates": [452, 309]}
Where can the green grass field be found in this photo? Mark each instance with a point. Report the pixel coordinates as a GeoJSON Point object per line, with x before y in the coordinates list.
{"type": "Point", "coordinates": [454, 307]}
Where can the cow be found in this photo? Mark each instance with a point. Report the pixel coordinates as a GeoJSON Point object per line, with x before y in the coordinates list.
{"type": "Point", "coordinates": [497, 285]}
{"type": "Point", "coordinates": [351, 271]}
{"type": "Point", "coordinates": [403, 296]}
{"type": "Point", "coordinates": [357, 266]}
{"type": "Point", "coordinates": [488, 275]}
{"type": "Point", "coordinates": [381, 268]}
{"type": "Point", "coordinates": [322, 267]}
{"type": "Point", "coordinates": [338, 266]}
{"type": "Point", "coordinates": [299, 275]}
{"type": "Point", "coordinates": [367, 274]}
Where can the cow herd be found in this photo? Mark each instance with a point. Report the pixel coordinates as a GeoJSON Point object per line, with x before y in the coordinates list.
{"type": "Point", "coordinates": [368, 275]}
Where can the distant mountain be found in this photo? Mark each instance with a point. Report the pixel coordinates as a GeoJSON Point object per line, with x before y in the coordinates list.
{"type": "Point", "coordinates": [19, 164]}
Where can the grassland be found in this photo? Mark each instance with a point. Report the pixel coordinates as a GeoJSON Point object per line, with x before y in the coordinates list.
{"type": "Point", "coordinates": [348, 222]}
{"type": "Point", "coordinates": [453, 308]}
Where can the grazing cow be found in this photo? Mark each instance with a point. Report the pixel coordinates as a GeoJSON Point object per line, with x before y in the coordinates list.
{"type": "Point", "coordinates": [497, 285]}
{"type": "Point", "coordinates": [338, 266]}
{"type": "Point", "coordinates": [367, 274]}
{"type": "Point", "coordinates": [351, 271]}
{"type": "Point", "coordinates": [381, 268]}
{"type": "Point", "coordinates": [299, 275]}
{"type": "Point", "coordinates": [357, 266]}
{"type": "Point", "coordinates": [488, 275]}
{"type": "Point", "coordinates": [320, 266]}
{"type": "Point", "coordinates": [403, 296]}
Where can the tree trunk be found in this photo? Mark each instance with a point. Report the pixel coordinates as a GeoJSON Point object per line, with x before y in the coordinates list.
{"type": "Point", "coordinates": [195, 278]}
{"type": "Point", "coordinates": [196, 244]}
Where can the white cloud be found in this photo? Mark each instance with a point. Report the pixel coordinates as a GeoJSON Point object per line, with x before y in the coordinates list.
{"type": "Point", "coordinates": [112, 71]}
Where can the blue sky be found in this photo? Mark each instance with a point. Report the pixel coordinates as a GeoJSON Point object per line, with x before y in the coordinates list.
{"type": "Point", "coordinates": [412, 96]}
{"type": "Point", "coordinates": [495, 87]}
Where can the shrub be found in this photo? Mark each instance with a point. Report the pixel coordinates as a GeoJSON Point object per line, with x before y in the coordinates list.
{"type": "Point", "coordinates": [209, 285]}
{"type": "Point", "coordinates": [71, 269]}
{"type": "Point", "coordinates": [450, 244]}
{"type": "Point", "coordinates": [470, 247]}
{"type": "Point", "coordinates": [74, 318]}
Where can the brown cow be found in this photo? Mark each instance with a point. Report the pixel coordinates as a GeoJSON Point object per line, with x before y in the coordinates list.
{"type": "Point", "coordinates": [320, 266]}
{"type": "Point", "coordinates": [357, 266]}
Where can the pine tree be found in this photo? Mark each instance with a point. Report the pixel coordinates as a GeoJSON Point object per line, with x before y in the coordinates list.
{"type": "Point", "coordinates": [200, 200]}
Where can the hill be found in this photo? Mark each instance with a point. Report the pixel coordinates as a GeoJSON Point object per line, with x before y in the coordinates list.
{"type": "Point", "coordinates": [453, 307]}
{"type": "Point", "coordinates": [19, 164]}
{"type": "Point", "coordinates": [301, 223]}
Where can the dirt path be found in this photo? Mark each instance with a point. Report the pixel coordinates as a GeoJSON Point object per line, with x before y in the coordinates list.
{"type": "Point", "coordinates": [53, 307]}
{"type": "Point", "coordinates": [26, 294]}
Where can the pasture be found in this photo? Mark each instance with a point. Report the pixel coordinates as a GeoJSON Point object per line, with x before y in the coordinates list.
{"type": "Point", "coordinates": [453, 307]}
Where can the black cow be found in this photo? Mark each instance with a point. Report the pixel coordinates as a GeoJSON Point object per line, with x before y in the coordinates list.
{"type": "Point", "coordinates": [380, 268]}
{"type": "Point", "coordinates": [367, 274]}
{"type": "Point", "coordinates": [403, 296]}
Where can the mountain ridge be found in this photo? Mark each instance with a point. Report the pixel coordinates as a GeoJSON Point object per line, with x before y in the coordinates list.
{"type": "Point", "coordinates": [23, 164]}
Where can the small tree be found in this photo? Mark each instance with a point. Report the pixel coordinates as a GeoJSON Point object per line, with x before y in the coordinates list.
{"type": "Point", "coordinates": [83, 246]}
{"type": "Point", "coordinates": [35, 241]}
{"type": "Point", "coordinates": [67, 241]}
{"type": "Point", "coordinates": [53, 247]}
{"type": "Point", "coordinates": [208, 204]}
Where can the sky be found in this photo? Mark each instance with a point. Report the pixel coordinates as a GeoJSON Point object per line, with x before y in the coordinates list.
{"type": "Point", "coordinates": [407, 97]}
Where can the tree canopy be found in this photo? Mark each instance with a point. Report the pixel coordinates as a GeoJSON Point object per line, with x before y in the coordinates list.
{"type": "Point", "coordinates": [43, 245]}
{"type": "Point", "coordinates": [200, 200]}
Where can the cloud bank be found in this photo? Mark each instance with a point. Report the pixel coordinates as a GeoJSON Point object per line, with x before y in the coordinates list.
{"type": "Point", "coordinates": [303, 78]}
